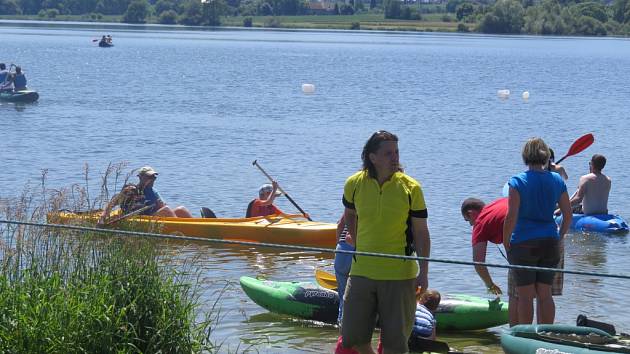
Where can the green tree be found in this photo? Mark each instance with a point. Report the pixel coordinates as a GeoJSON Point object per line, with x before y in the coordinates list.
{"type": "Point", "coordinates": [168, 17]}
{"type": "Point", "coordinates": [137, 12]}
{"type": "Point", "coordinates": [30, 7]}
{"type": "Point", "coordinates": [621, 10]}
{"type": "Point", "coordinates": [592, 9]}
{"type": "Point", "coordinates": [506, 16]}
{"type": "Point", "coordinates": [164, 5]}
{"type": "Point", "coordinates": [9, 7]}
{"type": "Point", "coordinates": [392, 8]}
{"type": "Point", "coordinates": [451, 5]}
{"type": "Point", "coordinates": [192, 14]}
{"type": "Point", "coordinates": [545, 18]}
{"type": "Point", "coordinates": [589, 26]}
{"type": "Point", "coordinates": [464, 10]}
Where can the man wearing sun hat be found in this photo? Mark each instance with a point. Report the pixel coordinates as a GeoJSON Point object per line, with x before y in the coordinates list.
{"type": "Point", "coordinates": [145, 196]}
{"type": "Point", "coordinates": [147, 176]}
{"type": "Point", "coordinates": [263, 205]}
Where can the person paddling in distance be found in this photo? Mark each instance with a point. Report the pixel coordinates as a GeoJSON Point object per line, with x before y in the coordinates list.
{"type": "Point", "coordinates": [145, 196]}
{"type": "Point", "coordinates": [19, 80]}
{"type": "Point", "coordinates": [378, 201]}
{"type": "Point", "coordinates": [530, 234]}
{"type": "Point", "coordinates": [263, 205]}
{"type": "Point", "coordinates": [591, 196]}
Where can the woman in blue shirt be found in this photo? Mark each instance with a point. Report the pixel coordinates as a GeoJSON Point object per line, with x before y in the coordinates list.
{"type": "Point", "coordinates": [530, 233]}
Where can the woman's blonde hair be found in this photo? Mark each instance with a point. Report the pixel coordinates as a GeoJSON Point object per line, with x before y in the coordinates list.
{"type": "Point", "coordinates": [536, 152]}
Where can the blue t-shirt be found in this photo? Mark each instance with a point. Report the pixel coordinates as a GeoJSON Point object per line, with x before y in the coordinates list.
{"type": "Point", "coordinates": [423, 323]}
{"type": "Point", "coordinates": [151, 196]}
{"type": "Point", "coordinates": [539, 193]}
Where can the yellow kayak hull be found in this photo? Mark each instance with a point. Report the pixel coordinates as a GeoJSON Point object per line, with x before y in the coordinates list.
{"type": "Point", "coordinates": [280, 229]}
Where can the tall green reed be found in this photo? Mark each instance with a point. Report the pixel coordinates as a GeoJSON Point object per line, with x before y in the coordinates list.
{"type": "Point", "coordinates": [67, 291]}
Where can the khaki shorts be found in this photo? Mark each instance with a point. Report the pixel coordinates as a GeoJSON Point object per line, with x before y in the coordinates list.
{"type": "Point", "coordinates": [558, 278]}
{"type": "Point", "coordinates": [393, 301]}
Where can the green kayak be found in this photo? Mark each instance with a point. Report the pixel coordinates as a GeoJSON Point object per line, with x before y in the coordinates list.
{"type": "Point", "coordinates": [26, 96]}
{"type": "Point", "coordinates": [529, 339]}
{"type": "Point", "coordinates": [310, 301]}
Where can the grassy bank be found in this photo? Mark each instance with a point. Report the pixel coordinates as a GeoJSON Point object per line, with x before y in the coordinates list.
{"type": "Point", "coordinates": [430, 22]}
{"type": "Point", "coordinates": [74, 292]}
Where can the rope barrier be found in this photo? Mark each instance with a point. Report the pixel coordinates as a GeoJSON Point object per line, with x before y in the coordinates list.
{"type": "Point", "coordinates": [305, 248]}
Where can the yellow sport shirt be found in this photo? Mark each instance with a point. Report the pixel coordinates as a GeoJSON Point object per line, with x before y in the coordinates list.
{"type": "Point", "coordinates": [382, 213]}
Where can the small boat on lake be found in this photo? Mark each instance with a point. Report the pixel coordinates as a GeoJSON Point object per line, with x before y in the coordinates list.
{"type": "Point", "coordinates": [281, 229]}
{"type": "Point", "coordinates": [25, 96]}
{"type": "Point", "coordinates": [105, 44]}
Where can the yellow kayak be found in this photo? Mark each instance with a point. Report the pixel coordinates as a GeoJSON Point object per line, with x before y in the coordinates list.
{"type": "Point", "coordinates": [282, 229]}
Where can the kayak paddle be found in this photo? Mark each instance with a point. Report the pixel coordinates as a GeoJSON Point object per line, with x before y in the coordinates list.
{"type": "Point", "coordinates": [579, 145]}
{"type": "Point", "coordinates": [255, 163]}
{"type": "Point", "coordinates": [122, 217]}
{"type": "Point", "coordinates": [325, 279]}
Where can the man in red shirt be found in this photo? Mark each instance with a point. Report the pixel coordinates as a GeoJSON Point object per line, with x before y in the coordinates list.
{"type": "Point", "coordinates": [487, 222]}
{"type": "Point", "coordinates": [263, 205]}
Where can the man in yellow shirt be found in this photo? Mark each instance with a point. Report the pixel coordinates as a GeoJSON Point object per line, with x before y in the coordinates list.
{"type": "Point", "coordinates": [378, 202]}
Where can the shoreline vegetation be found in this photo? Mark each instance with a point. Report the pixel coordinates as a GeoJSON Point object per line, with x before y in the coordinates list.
{"type": "Point", "coordinates": [71, 291]}
{"type": "Point", "coordinates": [533, 17]}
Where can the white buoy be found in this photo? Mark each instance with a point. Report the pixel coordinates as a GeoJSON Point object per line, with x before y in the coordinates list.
{"type": "Point", "coordinates": [525, 95]}
{"type": "Point", "coordinates": [308, 88]}
{"type": "Point", "coordinates": [503, 93]}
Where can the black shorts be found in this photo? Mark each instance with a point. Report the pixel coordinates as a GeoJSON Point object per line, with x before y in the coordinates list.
{"type": "Point", "coordinates": [544, 252]}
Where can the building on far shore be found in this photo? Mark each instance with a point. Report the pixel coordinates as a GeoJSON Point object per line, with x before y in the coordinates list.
{"type": "Point", "coordinates": [321, 7]}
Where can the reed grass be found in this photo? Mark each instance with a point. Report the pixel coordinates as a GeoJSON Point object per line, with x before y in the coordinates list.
{"type": "Point", "coordinates": [66, 291]}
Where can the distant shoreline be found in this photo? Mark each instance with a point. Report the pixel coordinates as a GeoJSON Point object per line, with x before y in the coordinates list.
{"type": "Point", "coordinates": [372, 22]}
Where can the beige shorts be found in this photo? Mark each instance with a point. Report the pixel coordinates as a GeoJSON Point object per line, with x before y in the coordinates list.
{"type": "Point", "coordinates": [392, 301]}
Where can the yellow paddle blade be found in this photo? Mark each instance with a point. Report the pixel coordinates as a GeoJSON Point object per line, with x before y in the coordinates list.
{"type": "Point", "coordinates": [325, 279]}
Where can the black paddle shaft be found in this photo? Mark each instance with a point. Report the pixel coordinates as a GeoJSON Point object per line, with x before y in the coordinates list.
{"type": "Point", "coordinates": [255, 163]}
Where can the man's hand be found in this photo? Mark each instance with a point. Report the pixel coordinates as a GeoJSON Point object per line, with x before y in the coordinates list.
{"type": "Point", "coordinates": [494, 289]}
{"type": "Point", "coordinates": [422, 282]}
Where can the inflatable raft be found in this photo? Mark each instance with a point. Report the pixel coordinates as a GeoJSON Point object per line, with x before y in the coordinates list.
{"type": "Point", "coordinates": [605, 223]}
{"type": "Point", "coordinates": [531, 339]}
{"type": "Point", "coordinates": [309, 301]}
{"type": "Point", "coordinates": [282, 229]}
{"type": "Point", "coordinates": [26, 96]}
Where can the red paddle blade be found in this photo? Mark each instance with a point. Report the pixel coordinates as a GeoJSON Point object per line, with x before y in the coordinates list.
{"type": "Point", "coordinates": [582, 143]}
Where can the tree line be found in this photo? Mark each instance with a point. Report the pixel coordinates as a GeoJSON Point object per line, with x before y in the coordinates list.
{"type": "Point", "coordinates": [545, 17]}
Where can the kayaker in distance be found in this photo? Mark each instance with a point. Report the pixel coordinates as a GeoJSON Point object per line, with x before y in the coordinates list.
{"type": "Point", "coordinates": [4, 76]}
{"type": "Point", "coordinates": [487, 222]}
{"type": "Point", "coordinates": [144, 195]}
{"type": "Point", "coordinates": [263, 205]}
{"type": "Point", "coordinates": [19, 80]}
{"type": "Point", "coordinates": [530, 233]}
{"type": "Point", "coordinates": [591, 196]}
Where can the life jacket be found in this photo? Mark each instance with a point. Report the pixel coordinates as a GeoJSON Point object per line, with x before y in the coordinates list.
{"type": "Point", "coordinates": [19, 82]}
{"type": "Point", "coordinates": [248, 213]}
{"type": "Point", "coordinates": [423, 323]}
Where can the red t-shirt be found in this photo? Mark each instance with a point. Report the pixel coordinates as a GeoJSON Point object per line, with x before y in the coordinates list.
{"type": "Point", "coordinates": [263, 210]}
{"type": "Point", "coordinates": [489, 224]}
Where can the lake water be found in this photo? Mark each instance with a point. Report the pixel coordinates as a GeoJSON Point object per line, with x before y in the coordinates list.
{"type": "Point", "coordinates": [200, 106]}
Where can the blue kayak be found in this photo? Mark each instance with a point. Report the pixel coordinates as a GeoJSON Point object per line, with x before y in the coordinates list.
{"type": "Point", "coordinates": [605, 223]}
